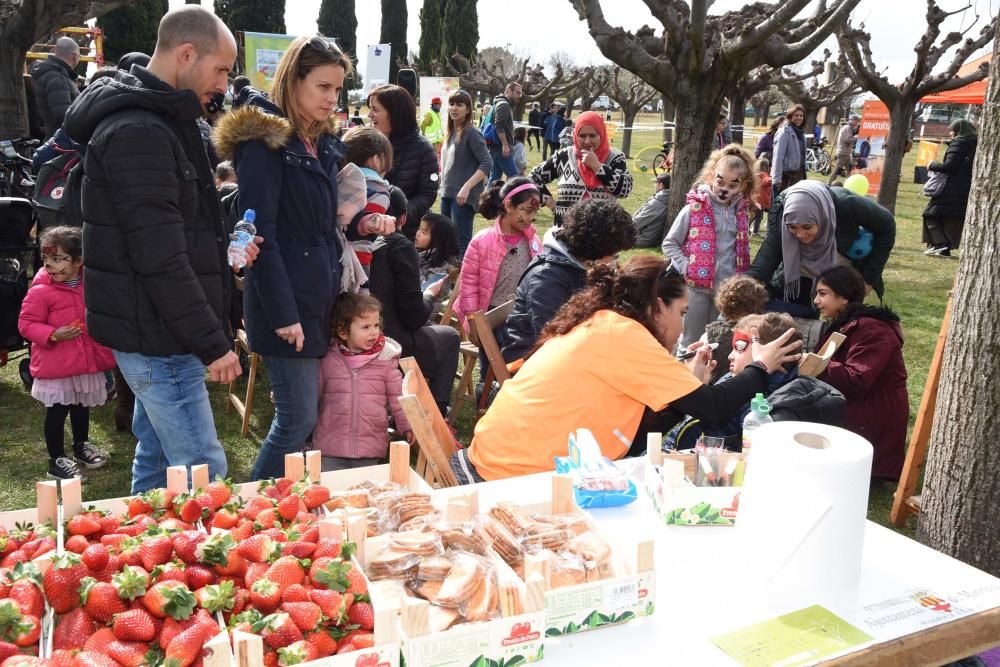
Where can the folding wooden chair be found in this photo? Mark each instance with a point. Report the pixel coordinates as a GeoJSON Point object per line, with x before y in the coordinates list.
{"type": "Point", "coordinates": [433, 435]}
{"type": "Point", "coordinates": [481, 326]}
{"type": "Point", "coordinates": [465, 391]}
{"type": "Point", "coordinates": [243, 406]}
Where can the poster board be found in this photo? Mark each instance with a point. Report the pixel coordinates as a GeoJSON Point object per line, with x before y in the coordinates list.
{"type": "Point", "coordinates": [927, 152]}
{"type": "Point", "coordinates": [437, 86]}
{"type": "Point", "coordinates": [261, 53]}
{"type": "Point", "coordinates": [874, 131]}
{"type": "Point", "coordinates": [377, 66]}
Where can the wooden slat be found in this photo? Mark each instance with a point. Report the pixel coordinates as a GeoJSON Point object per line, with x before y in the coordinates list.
{"type": "Point", "coordinates": [432, 434]}
{"type": "Point", "coordinates": [480, 322]}
{"type": "Point", "coordinates": [916, 453]}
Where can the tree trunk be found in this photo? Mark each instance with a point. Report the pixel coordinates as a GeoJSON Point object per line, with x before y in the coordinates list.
{"type": "Point", "coordinates": [900, 117]}
{"type": "Point", "coordinates": [767, 114]}
{"type": "Point", "coordinates": [697, 117]}
{"type": "Point", "coordinates": [15, 38]}
{"type": "Point", "coordinates": [961, 488]}
{"type": "Point", "coordinates": [668, 117]}
{"type": "Point", "coordinates": [737, 105]}
{"type": "Point", "coordinates": [629, 113]}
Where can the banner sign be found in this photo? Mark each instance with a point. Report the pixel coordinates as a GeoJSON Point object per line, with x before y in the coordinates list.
{"type": "Point", "coordinates": [927, 152]}
{"type": "Point", "coordinates": [261, 53]}
{"type": "Point", "coordinates": [870, 144]}
{"type": "Point", "coordinates": [437, 86]}
{"type": "Point", "coordinates": [377, 66]}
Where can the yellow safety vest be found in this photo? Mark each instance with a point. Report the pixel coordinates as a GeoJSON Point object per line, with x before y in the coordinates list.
{"type": "Point", "coordinates": [433, 130]}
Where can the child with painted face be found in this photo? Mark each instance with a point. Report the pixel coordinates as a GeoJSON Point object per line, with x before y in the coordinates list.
{"type": "Point", "coordinates": [710, 238]}
{"type": "Point", "coordinates": [360, 384]}
{"type": "Point", "coordinates": [67, 364]}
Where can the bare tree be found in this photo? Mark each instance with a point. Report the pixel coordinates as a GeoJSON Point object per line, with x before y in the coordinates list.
{"type": "Point", "coordinates": [960, 480]}
{"type": "Point", "coordinates": [762, 103]}
{"type": "Point", "coordinates": [589, 84]}
{"type": "Point", "coordinates": [698, 59]}
{"type": "Point", "coordinates": [813, 95]}
{"type": "Point", "coordinates": [758, 80]}
{"type": "Point", "coordinates": [901, 98]}
{"type": "Point", "coordinates": [632, 94]}
{"type": "Point", "coordinates": [22, 22]}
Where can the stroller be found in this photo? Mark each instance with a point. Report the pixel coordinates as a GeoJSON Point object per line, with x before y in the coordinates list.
{"type": "Point", "coordinates": [18, 262]}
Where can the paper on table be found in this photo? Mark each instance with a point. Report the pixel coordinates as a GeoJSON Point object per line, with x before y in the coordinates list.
{"type": "Point", "coordinates": [799, 638]}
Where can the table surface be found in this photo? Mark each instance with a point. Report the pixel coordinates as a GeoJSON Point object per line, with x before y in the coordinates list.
{"type": "Point", "coordinates": [699, 594]}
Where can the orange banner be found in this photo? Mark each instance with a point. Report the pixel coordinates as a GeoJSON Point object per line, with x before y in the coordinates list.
{"type": "Point", "coordinates": [870, 146]}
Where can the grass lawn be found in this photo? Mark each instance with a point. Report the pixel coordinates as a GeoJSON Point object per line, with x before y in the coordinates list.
{"type": "Point", "coordinates": [917, 288]}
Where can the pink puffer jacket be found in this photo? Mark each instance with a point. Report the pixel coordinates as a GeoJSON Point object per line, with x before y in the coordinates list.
{"type": "Point", "coordinates": [47, 307]}
{"type": "Point", "coordinates": [354, 403]}
{"type": "Point", "coordinates": [481, 265]}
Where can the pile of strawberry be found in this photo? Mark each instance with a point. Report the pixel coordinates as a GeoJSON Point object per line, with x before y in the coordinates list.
{"type": "Point", "coordinates": [146, 588]}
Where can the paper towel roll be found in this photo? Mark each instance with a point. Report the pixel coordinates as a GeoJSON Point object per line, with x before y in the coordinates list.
{"type": "Point", "coordinates": [801, 521]}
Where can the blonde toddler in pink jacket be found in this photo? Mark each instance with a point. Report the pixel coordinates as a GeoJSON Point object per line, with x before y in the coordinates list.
{"type": "Point", "coordinates": [497, 256]}
{"type": "Point", "coordinates": [360, 383]}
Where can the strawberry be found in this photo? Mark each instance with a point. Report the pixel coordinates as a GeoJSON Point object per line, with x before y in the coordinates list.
{"type": "Point", "coordinates": [128, 551]}
{"type": "Point", "coordinates": [358, 585]}
{"type": "Point", "coordinates": [44, 546]}
{"type": "Point", "coordinates": [325, 644]}
{"type": "Point", "coordinates": [186, 545]}
{"type": "Point", "coordinates": [205, 618]}
{"type": "Point", "coordinates": [265, 595]}
{"type": "Point", "coordinates": [257, 549]}
{"type": "Point", "coordinates": [315, 495]}
{"type": "Point", "coordinates": [13, 558]}
{"type": "Point", "coordinates": [300, 550]}
{"type": "Point", "coordinates": [83, 524]}
{"type": "Point", "coordinates": [188, 508]}
{"type": "Point", "coordinates": [268, 518]}
{"type": "Point", "coordinates": [332, 576]}
{"type": "Point", "coordinates": [134, 625]}
{"type": "Point", "coordinates": [278, 630]}
{"type": "Point", "coordinates": [171, 628]}
{"type": "Point", "coordinates": [361, 614]}
{"type": "Point", "coordinates": [186, 647]}
{"type": "Point", "coordinates": [22, 660]}
{"type": "Point", "coordinates": [95, 557]}
{"type": "Point", "coordinates": [235, 566]}
{"type": "Point", "coordinates": [92, 659]}
{"type": "Point", "coordinates": [254, 572]}
{"type": "Point", "coordinates": [295, 593]}
{"type": "Point", "coordinates": [139, 505]}
{"type": "Point", "coordinates": [129, 654]}
{"type": "Point", "coordinates": [218, 597]}
{"type": "Point", "coordinates": [28, 596]}
{"type": "Point", "coordinates": [305, 615]}
{"type": "Point", "coordinates": [109, 523]}
{"type": "Point", "coordinates": [331, 603]}
{"type": "Point", "coordinates": [62, 658]}
{"type": "Point", "coordinates": [98, 642]}
{"type": "Point", "coordinates": [112, 541]}
{"type": "Point", "coordinates": [225, 518]}
{"type": "Point", "coordinates": [288, 507]}
{"type": "Point", "coordinates": [221, 491]}
{"type": "Point", "coordinates": [73, 630]}
{"type": "Point", "coordinates": [327, 547]}
{"type": "Point", "coordinates": [199, 576]}
{"type": "Point", "coordinates": [363, 640]}
{"type": "Point", "coordinates": [293, 654]}
{"type": "Point", "coordinates": [155, 550]}
{"type": "Point", "coordinates": [169, 598]}
{"type": "Point", "coordinates": [131, 582]}
{"type": "Point", "coordinates": [308, 532]}
{"type": "Point", "coordinates": [240, 600]}
{"type": "Point", "coordinates": [169, 571]}
{"type": "Point", "coordinates": [286, 571]}
{"type": "Point", "coordinates": [216, 550]}
{"type": "Point", "coordinates": [243, 530]}
{"type": "Point", "coordinates": [100, 599]}
{"type": "Point", "coordinates": [255, 506]}
{"type": "Point", "coordinates": [62, 580]}
{"type": "Point", "coordinates": [7, 650]}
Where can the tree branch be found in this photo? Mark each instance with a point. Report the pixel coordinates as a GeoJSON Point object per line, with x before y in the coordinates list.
{"type": "Point", "coordinates": [782, 53]}
{"type": "Point", "coordinates": [856, 46]}
{"type": "Point", "coordinates": [757, 35]}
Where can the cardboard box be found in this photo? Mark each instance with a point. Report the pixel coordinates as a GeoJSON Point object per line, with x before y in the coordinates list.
{"type": "Point", "coordinates": [677, 500]}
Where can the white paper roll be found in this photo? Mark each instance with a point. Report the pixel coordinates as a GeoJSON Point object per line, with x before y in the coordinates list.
{"type": "Point", "coordinates": [801, 521]}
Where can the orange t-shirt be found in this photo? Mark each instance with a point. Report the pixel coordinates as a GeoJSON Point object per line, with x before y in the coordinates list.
{"type": "Point", "coordinates": [600, 376]}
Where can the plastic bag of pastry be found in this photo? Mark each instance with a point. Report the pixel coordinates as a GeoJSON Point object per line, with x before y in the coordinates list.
{"type": "Point", "coordinates": [594, 552]}
{"type": "Point", "coordinates": [578, 523]}
{"type": "Point", "coordinates": [467, 571]}
{"type": "Point", "coordinates": [512, 517]}
{"type": "Point", "coordinates": [565, 569]}
{"type": "Point", "coordinates": [422, 522]}
{"type": "Point", "coordinates": [392, 564]}
{"type": "Point", "coordinates": [433, 568]}
{"type": "Point", "coordinates": [468, 536]}
{"type": "Point", "coordinates": [549, 537]}
{"type": "Point", "coordinates": [350, 498]}
{"type": "Point", "coordinates": [484, 603]}
{"type": "Point", "coordinates": [375, 488]}
{"type": "Point", "coordinates": [417, 541]}
{"type": "Point", "coordinates": [597, 482]}
{"type": "Point", "coordinates": [504, 542]}
{"type": "Point", "coordinates": [402, 506]}
{"type": "Point", "coordinates": [440, 618]}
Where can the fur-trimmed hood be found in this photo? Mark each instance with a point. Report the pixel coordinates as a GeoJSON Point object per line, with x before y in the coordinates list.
{"type": "Point", "coordinates": [258, 120]}
{"type": "Point", "coordinates": [852, 317]}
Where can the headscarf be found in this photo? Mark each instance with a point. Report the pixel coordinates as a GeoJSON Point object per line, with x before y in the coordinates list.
{"type": "Point", "coordinates": [807, 203]}
{"type": "Point", "coordinates": [963, 128]}
{"type": "Point", "coordinates": [594, 120]}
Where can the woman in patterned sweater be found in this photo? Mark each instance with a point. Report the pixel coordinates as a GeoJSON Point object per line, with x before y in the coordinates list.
{"type": "Point", "coordinates": [589, 169]}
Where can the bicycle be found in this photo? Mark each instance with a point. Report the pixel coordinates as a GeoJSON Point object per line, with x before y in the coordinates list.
{"type": "Point", "coordinates": [15, 169]}
{"type": "Point", "coordinates": [655, 158]}
{"type": "Point", "coordinates": [817, 159]}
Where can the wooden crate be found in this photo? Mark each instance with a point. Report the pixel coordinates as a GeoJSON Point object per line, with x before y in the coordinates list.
{"type": "Point", "coordinates": [681, 503]}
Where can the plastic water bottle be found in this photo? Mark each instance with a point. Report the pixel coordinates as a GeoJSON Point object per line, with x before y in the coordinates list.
{"type": "Point", "coordinates": [241, 238]}
{"type": "Point", "coordinates": [758, 416]}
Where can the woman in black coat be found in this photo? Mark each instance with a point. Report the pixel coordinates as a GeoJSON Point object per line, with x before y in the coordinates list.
{"type": "Point", "coordinates": [285, 153]}
{"type": "Point", "coordinates": [944, 216]}
{"type": "Point", "coordinates": [414, 162]}
{"type": "Point", "coordinates": [813, 227]}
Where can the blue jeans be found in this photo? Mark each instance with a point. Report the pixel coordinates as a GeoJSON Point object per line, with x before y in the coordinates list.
{"type": "Point", "coordinates": [502, 166]}
{"type": "Point", "coordinates": [295, 383]}
{"type": "Point", "coordinates": [172, 419]}
{"type": "Point", "coordinates": [462, 216]}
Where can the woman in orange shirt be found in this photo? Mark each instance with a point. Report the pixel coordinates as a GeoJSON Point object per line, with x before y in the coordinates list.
{"type": "Point", "coordinates": [598, 365]}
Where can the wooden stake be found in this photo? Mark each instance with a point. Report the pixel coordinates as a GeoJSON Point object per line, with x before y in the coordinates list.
{"type": "Point", "coordinates": [357, 532]}
{"type": "Point", "coordinates": [415, 617]}
{"type": "Point", "coordinates": [295, 466]}
{"type": "Point", "coordinates": [314, 465]}
{"type": "Point", "coordinates": [458, 509]}
{"type": "Point", "coordinates": [72, 497]}
{"type": "Point", "coordinates": [248, 649]}
{"type": "Point", "coordinates": [331, 528]}
{"type": "Point", "coordinates": [399, 463]}
{"type": "Point", "coordinates": [654, 448]}
{"type": "Point", "coordinates": [48, 501]}
{"type": "Point", "coordinates": [536, 594]}
{"type": "Point", "coordinates": [644, 557]}
{"type": "Point", "coordinates": [199, 476]}
{"type": "Point", "coordinates": [177, 479]}
{"type": "Point", "coordinates": [562, 495]}
{"type": "Point", "coordinates": [535, 564]}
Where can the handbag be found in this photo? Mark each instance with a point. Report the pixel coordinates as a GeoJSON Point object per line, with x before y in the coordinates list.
{"type": "Point", "coordinates": [935, 184]}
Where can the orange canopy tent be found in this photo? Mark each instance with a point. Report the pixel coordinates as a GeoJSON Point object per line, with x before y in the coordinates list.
{"type": "Point", "coordinates": [973, 93]}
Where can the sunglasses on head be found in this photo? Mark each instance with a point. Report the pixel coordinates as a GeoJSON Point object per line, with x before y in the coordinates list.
{"type": "Point", "coordinates": [318, 43]}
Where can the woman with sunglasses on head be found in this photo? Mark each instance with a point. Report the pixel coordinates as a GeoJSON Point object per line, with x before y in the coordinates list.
{"type": "Point", "coordinates": [600, 364]}
{"type": "Point", "coordinates": [393, 112]}
{"type": "Point", "coordinates": [285, 152]}
{"type": "Point", "coordinates": [588, 169]}
{"type": "Point", "coordinates": [465, 165]}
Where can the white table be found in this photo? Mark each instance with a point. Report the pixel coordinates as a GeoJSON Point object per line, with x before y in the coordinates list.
{"type": "Point", "coordinates": [694, 602]}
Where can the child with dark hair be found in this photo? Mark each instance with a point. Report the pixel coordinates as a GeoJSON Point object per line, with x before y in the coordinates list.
{"type": "Point", "coordinates": [67, 364]}
{"type": "Point", "coordinates": [360, 383]}
{"type": "Point", "coordinates": [737, 297]}
{"type": "Point", "coordinates": [868, 367]}
{"type": "Point", "coordinates": [517, 151]}
{"type": "Point", "coordinates": [369, 150]}
{"type": "Point", "coordinates": [593, 232]}
{"type": "Point", "coordinates": [437, 246]}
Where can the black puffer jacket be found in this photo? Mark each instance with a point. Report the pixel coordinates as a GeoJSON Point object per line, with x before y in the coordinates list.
{"type": "Point", "coordinates": [154, 245]}
{"type": "Point", "coordinates": [957, 163]}
{"type": "Point", "coordinates": [806, 399]}
{"type": "Point", "coordinates": [55, 90]}
{"type": "Point", "coordinates": [415, 172]}
{"type": "Point", "coordinates": [395, 282]}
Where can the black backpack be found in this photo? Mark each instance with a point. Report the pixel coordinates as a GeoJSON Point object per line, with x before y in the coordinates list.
{"type": "Point", "coordinates": [58, 187]}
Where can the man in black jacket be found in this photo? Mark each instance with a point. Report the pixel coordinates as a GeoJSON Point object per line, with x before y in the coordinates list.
{"type": "Point", "coordinates": [157, 283]}
{"type": "Point", "coordinates": [503, 120]}
{"type": "Point", "coordinates": [535, 126]}
{"type": "Point", "coordinates": [55, 83]}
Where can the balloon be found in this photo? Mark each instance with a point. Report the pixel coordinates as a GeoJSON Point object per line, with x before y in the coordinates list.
{"type": "Point", "coordinates": [857, 184]}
